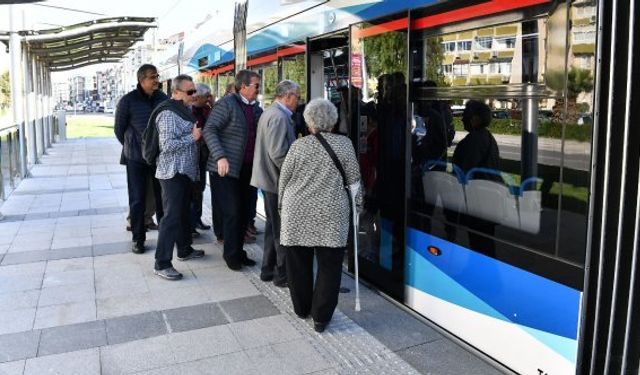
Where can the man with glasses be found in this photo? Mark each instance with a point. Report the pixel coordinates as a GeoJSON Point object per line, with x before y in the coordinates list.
{"type": "Point", "coordinates": [230, 134]}
{"type": "Point", "coordinates": [178, 135]}
{"type": "Point", "coordinates": [131, 118]}
{"type": "Point", "coordinates": [276, 133]}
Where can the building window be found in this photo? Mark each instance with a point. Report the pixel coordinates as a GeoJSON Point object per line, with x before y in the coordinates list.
{"type": "Point", "coordinates": [581, 37]}
{"type": "Point", "coordinates": [446, 69]}
{"type": "Point", "coordinates": [461, 69]}
{"type": "Point", "coordinates": [484, 42]}
{"type": "Point", "coordinates": [464, 45]}
{"type": "Point", "coordinates": [449, 46]}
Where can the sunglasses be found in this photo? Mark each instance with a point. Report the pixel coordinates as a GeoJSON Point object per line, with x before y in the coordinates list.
{"type": "Point", "coordinates": [256, 85]}
{"type": "Point", "coordinates": [153, 76]}
{"type": "Point", "coordinates": [189, 92]}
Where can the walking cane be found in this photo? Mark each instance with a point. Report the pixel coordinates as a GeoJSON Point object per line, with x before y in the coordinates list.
{"type": "Point", "coordinates": [354, 188]}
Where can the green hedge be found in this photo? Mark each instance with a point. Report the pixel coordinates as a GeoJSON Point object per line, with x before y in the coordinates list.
{"type": "Point", "coordinates": [546, 129]}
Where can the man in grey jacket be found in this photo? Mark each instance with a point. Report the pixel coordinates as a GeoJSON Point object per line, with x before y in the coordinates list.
{"type": "Point", "coordinates": [276, 132]}
{"type": "Point", "coordinates": [230, 134]}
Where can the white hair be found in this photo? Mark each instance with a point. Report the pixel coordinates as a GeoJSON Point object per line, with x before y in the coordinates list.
{"type": "Point", "coordinates": [203, 90]}
{"type": "Point", "coordinates": [320, 115]}
{"type": "Point", "coordinates": [286, 87]}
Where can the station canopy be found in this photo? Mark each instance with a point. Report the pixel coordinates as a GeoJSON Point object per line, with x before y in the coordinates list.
{"type": "Point", "coordinates": [99, 41]}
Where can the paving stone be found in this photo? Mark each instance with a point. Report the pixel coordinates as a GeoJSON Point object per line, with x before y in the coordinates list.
{"type": "Point", "coordinates": [72, 337]}
{"type": "Point", "coordinates": [383, 320]}
{"type": "Point", "coordinates": [12, 368]}
{"type": "Point", "coordinates": [36, 268]}
{"type": "Point", "coordinates": [231, 290]}
{"type": "Point", "coordinates": [19, 300]}
{"type": "Point", "coordinates": [137, 356]}
{"type": "Point", "coordinates": [241, 309]}
{"type": "Point", "coordinates": [16, 346]}
{"type": "Point", "coordinates": [52, 279]}
{"type": "Point", "coordinates": [194, 317]}
{"type": "Point", "coordinates": [124, 305]}
{"type": "Point", "coordinates": [25, 257]}
{"type": "Point", "coordinates": [202, 343]}
{"type": "Point", "coordinates": [178, 297]}
{"type": "Point", "coordinates": [111, 248]}
{"type": "Point", "coordinates": [73, 252]}
{"type": "Point", "coordinates": [300, 357]}
{"type": "Point", "coordinates": [65, 314]}
{"type": "Point", "coordinates": [66, 265]}
{"type": "Point", "coordinates": [16, 320]}
{"type": "Point", "coordinates": [67, 293]}
{"type": "Point", "coordinates": [446, 358]}
{"type": "Point", "coordinates": [264, 331]}
{"type": "Point", "coordinates": [135, 327]}
{"type": "Point", "coordinates": [83, 362]}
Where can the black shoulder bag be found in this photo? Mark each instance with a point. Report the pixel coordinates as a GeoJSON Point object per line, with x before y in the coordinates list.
{"type": "Point", "coordinates": [334, 157]}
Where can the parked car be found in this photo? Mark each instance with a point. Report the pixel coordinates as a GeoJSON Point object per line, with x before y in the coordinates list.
{"type": "Point", "coordinates": [500, 114]}
{"type": "Point", "coordinates": [109, 110]}
{"type": "Point", "coordinates": [100, 109]}
{"type": "Point", "coordinates": [585, 119]}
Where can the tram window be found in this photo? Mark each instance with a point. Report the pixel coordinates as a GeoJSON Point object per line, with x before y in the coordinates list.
{"type": "Point", "coordinates": [269, 81]}
{"type": "Point", "coordinates": [223, 81]}
{"type": "Point", "coordinates": [510, 185]}
{"type": "Point", "coordinates": [294, 69]}
{"type": "Point", "coordinates": [379, 86]}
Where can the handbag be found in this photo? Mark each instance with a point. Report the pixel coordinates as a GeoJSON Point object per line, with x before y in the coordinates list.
{"type": "Point", "coordinates": [338, 165]}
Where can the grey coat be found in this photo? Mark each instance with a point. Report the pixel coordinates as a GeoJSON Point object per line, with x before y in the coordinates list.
{"type": "Point", "coordinates": [225, 133]}
{"type": "Point", "coordinates": [314, 206]}
{"type": "Point", "coordinates": [274, 137]}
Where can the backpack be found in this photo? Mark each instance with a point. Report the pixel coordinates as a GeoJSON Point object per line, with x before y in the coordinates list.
{"type": "Point", "coordinates": [150, 143]}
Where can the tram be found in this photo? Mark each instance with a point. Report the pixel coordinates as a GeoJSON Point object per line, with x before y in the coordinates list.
{"type": "Point", "coordinates": [493, 255]}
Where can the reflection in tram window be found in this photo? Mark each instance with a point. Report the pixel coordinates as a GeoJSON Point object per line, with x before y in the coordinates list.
{"type": "Point", "coordinates": [294, 69]}
{"type": "Point", "coordinates": [533, 194]}
{"type": "Point", "coordinates": [379, 86]}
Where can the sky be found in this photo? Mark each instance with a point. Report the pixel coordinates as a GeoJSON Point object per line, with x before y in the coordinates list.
{"type": "Point", "coordinates": [173, 16]}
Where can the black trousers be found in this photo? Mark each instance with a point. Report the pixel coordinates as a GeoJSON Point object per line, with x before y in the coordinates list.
{"type": "Point", "coordinates": [175, 226]}
{"type": "Point", "coordinates": [197, 197]}
{"type": "Point", "coordinates": [232, 197]}
{"type": "Point", "coordinates": [274, 256]}
{"type": "Point", "coordinates": [138, 175]}
{"type": "Point", "coordinates": [322, 299]}
{"type": "Point", "coordinates": [216, 211]}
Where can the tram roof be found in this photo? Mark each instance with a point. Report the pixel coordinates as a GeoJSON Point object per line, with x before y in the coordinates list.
{"type": "Point", "coordinates": [94, 42]}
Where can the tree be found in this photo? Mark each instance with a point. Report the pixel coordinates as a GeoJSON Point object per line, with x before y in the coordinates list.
{"type": "Point", "coordinates": [386, 53]}
{"type": "Point", "coordinates": [434, 59]}
{"type": "Point", "coordinates": [578, 81]}
{"type": "Point", "coordinates": [5, 91]}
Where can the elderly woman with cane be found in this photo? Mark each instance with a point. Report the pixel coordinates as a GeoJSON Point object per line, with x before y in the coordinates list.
{"type": "Point", "coordinates": [315, 206]}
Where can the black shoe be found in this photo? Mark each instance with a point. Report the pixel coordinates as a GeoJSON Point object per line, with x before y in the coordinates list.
{"type": "Point", "coordinates": [319, 326]}
{"type": "Point", "coordinates": [246, 261]}
{"type": "Point", "coordinates": [138, 247]}
{"type": "Point", "coordinates": [234, 266]}
{"type": "Point", "coordinates": [303, 317]}
{"type": "Point", "coordinates": [152, 226]}
{"type": "Point", "coordinates": [168, 274]}
{"type": "Point", "coordinates": [195, 233]}
{"type": "Point", "coordinates": [281, 284]}
{"type": "Point", "coordinates": [203, 226]}
{"type": "Point", "coordinates": [192, 255]}
{"type": "Point", "coordinates": [266, 277]}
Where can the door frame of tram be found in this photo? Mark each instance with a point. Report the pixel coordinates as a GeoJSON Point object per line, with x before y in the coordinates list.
{"type": "Point", "coordinates": [390, 282]}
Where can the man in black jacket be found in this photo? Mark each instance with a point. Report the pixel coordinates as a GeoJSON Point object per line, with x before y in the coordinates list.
{"type": "Point", "coordinates": [131, 118]}
{"type": "Point", "coordinates": [230, 134]}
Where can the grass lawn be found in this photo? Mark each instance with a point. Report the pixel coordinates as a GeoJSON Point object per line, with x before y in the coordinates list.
{"type": "Point", "coordinates": [89, 126]}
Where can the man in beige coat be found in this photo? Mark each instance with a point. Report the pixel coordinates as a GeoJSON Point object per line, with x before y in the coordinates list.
{"type": "Point", "coordinates": [276, 132]}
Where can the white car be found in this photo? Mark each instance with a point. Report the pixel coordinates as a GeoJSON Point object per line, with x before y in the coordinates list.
{"type": "Point", "coordinates": [109, 110]}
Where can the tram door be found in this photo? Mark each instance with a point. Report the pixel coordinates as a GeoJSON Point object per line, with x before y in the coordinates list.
{"type": "Point", "coordinates": [328, 74]}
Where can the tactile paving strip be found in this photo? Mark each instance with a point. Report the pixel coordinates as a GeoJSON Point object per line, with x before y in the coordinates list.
{"type": "Point", "coordinates": [347, 347]}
